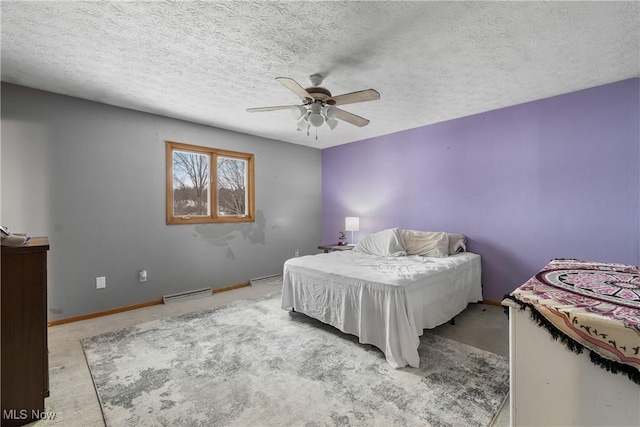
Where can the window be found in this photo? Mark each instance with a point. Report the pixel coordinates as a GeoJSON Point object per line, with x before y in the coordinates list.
{"type": "Point", "coordinates": [208, 185]}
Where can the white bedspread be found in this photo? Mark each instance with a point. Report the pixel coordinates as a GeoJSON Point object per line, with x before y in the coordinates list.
{"type": "Point", "coordinates": [385, 301]}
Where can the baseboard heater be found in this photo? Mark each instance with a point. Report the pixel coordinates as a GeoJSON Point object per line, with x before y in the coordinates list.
{"type": "Point", "coordinates": [198, 293]}
{"type": "Point", "coordinates": [264, 279]}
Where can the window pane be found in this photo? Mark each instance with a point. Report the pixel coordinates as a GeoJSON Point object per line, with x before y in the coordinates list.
{"type": "Point", "coordinates": [232, 187]}
{"type": "Point", "coordinates": [191, 183]}
{"type": "Point", "coordinates": [208, 185]}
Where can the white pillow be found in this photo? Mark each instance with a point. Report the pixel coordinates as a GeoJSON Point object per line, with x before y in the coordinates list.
{"type": "Point", "coordinates": [457, 243]}
{"type": "Point", "coordinates": [426, 243]}
{"type": "Point", "coordinates": [383, 243]}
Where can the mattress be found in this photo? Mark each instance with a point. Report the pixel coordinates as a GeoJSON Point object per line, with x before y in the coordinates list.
{"type": "Point", "coordinates": [385, 301]}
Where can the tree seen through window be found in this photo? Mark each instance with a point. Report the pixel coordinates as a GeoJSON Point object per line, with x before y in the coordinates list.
{"type": "Point", "coordinates": [196, 176]}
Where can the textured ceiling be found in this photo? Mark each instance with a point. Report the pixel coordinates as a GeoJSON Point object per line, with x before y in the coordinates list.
{"type": "Point", "coordinates": [207, 62]}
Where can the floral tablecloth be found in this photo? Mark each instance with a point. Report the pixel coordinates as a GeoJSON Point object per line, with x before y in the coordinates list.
{"type": "Point", "coordinates": [589, 305]}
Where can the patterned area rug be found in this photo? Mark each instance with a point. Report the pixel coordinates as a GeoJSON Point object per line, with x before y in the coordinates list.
{"type": "Point", "coordinates": [253, 364]}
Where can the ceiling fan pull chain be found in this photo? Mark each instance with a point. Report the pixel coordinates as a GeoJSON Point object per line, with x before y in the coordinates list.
{"type": "Point", "coordinates": [316, 134]}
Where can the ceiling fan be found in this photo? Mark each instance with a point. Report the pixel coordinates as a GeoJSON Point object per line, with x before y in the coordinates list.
{"type": "Point", "coordinates": [319, 106]}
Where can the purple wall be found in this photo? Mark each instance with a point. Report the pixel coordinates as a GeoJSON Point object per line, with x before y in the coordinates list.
{"type": "Point", "coordinates": [554, 178]}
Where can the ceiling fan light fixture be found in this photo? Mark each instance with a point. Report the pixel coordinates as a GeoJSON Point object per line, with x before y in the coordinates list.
{"type": "Point", "coordinates": [298, 111]}
{"type": "Point", "coordinates": [332, 123]}
{"type": "Point", "coordinates": [316, 119]}
{"type": "Point", "coordinates": [302, 123]}
{"type": "Point", "coordinates": [330, 112]}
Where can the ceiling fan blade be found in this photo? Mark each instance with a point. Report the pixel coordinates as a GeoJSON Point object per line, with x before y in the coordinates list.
{"type": "Point", "coordinates": [294, 87]}
{"type": "Point", "coordinates": [351, 118]}
{"type": "Point", "coordinates": [353, 97]}
{"type": "Point", "coordinates": [260, 109]}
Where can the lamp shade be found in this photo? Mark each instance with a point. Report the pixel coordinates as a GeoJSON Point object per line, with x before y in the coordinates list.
{"type": "Point", "coordinates": [352, 223]}
{"type": "Point", "coordinates": [303, 124]}
{"type": "Point", "coordinates": [316, 119]}
{"type": "Point", "coordinates": [330, 112]}
{"type": "Point", "coordinates": [332, 123]}
{"type": "Point", "coordinates": [298, 111]}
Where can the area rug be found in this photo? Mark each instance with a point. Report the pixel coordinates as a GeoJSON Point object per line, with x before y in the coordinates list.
{"type": "Point", "coordinates": [251, 363]}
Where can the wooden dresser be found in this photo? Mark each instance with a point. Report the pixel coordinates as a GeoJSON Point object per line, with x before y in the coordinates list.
{"type": "Point", "coordinates": [24, 370]}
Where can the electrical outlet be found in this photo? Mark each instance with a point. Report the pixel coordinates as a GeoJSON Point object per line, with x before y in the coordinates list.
{"type": "Point", "coordinates": [297, 253]}
{"type": "Point", "coordinates": [101, 282]}
{"type": "Point", "coordinates": [143, 275]}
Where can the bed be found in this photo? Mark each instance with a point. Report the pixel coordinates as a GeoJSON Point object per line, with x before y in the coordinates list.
{"type": "Point", "coordinates": [388, 289]}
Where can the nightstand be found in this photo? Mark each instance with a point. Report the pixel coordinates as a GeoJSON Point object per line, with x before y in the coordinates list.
{"type": "Point", "coordinates": [331, 248]}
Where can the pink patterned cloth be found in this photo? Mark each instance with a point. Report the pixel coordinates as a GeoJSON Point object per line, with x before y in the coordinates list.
{"type": "Point", "coordinates": [595, 304]}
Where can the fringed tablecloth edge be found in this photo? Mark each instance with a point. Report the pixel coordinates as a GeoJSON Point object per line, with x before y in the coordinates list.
{"type": "Point", "coordinates": [574, 346]}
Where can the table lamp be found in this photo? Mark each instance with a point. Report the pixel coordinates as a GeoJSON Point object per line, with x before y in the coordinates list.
{"type": "Point", "coordinates": [352, 223]}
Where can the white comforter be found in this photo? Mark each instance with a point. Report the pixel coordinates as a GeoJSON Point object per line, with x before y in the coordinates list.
{"type": "Point", "coordinates": [385, 301]}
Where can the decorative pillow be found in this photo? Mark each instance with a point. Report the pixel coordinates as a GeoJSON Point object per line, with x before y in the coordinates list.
{"type": "Point", "coordinates": [426, 243]}
{"type": "Point", "coordinates": [457, 243]}
{"type": "Point", "coordinates": [383, 243]}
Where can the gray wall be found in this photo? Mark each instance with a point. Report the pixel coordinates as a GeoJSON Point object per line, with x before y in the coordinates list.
{"type": "Point", "coordinates": [92, 178]}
